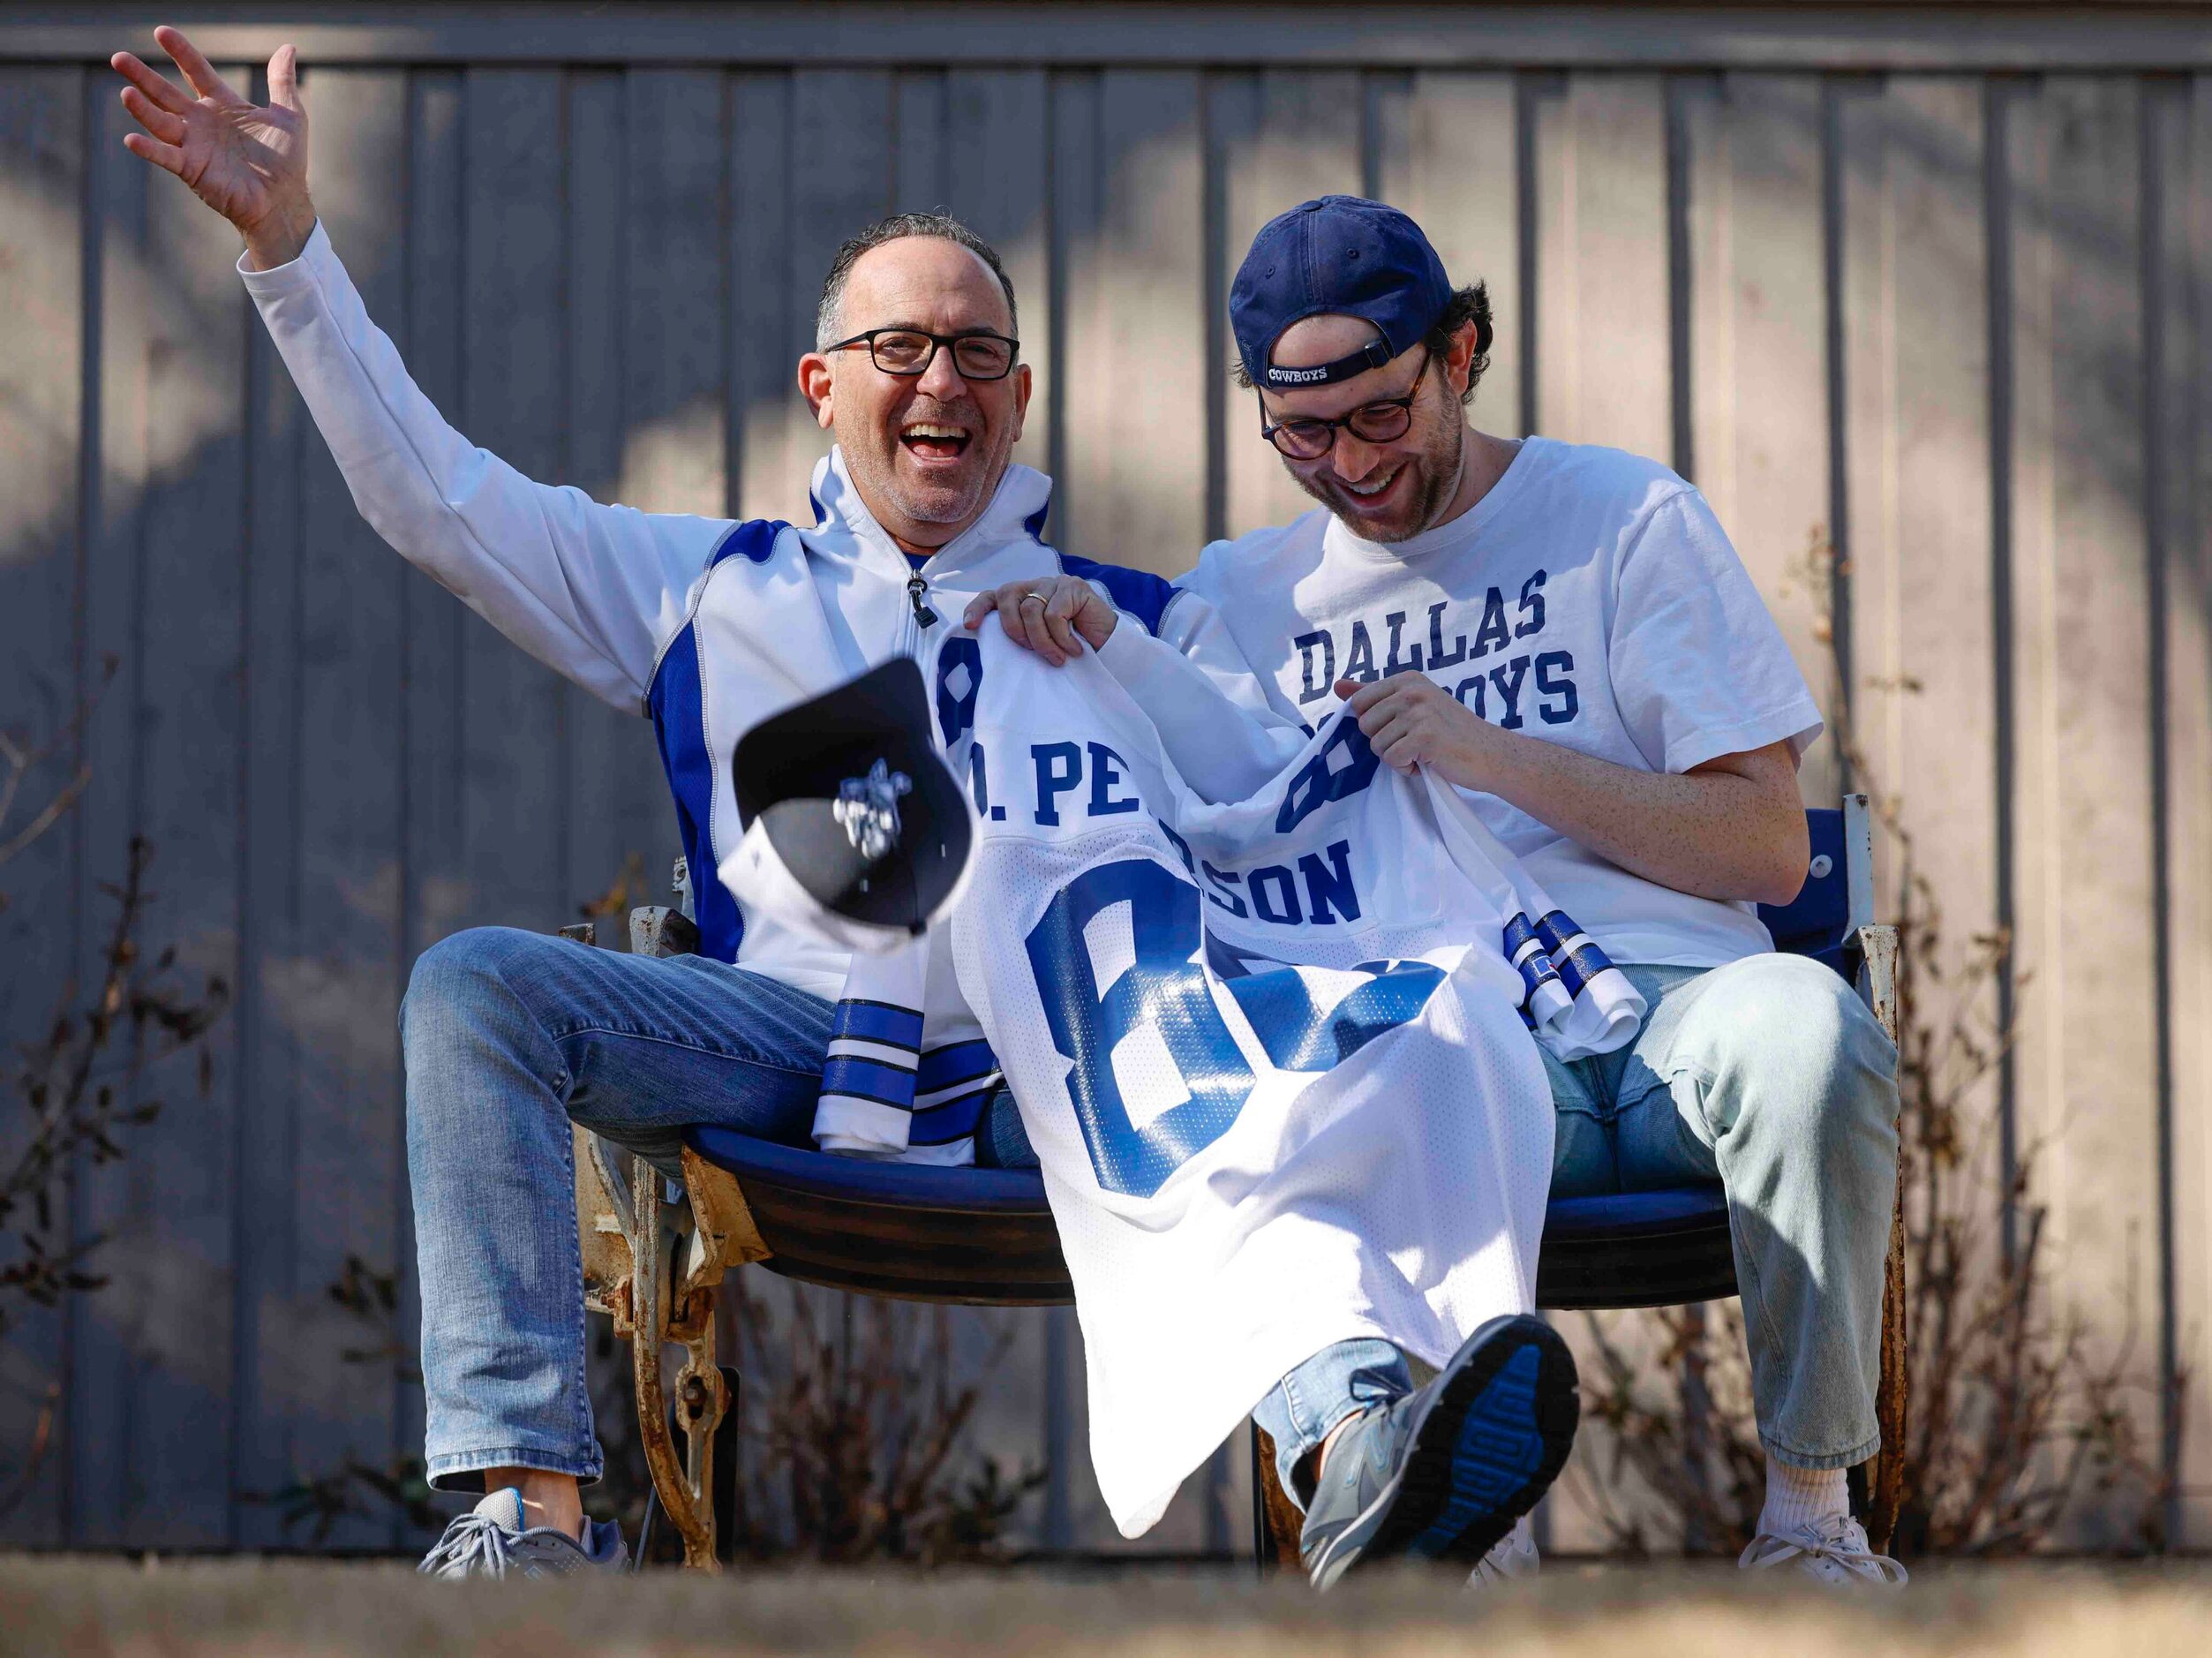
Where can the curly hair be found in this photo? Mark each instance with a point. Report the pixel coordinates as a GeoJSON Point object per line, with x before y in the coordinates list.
{"type": "Point", "coordinates": [1467, 305]}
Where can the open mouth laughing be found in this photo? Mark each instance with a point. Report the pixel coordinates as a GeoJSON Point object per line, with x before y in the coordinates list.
{"type": "Point", "coordinates": [1372, 494]}
{"type": "Point", "coordinates": [936, 441]}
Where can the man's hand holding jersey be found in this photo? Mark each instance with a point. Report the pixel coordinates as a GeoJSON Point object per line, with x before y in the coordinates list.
{"type": "Point", "coordinates": [1728, 828]}
{"type": "Point", "coordinates": [1411, 720]}
{"type": "Point", "coordinates": [1054, 615]}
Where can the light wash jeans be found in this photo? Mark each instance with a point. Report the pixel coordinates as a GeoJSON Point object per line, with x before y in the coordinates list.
{"type": "Point", "coordinates": [1770, 1073]}
{"type": "Point", "coordinates": [507, 1035]}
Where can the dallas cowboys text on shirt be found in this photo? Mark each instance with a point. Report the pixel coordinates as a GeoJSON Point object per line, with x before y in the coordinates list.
{"type": "Point", "coordinates": [1501, 674]}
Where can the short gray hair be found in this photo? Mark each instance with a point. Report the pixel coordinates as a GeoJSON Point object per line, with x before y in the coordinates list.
{"type": "Point", "coordinates": [897, 228]}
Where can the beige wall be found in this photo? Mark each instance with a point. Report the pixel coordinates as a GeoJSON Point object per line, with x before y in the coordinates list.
{"type": "Point", "coordinates": [1861, 288]}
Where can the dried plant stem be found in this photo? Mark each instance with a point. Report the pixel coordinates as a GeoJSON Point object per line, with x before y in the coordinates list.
{"type": "Point", "coordinates": [79, 1082]}
{"type": "Point", "coordinates": [2014, 1425]}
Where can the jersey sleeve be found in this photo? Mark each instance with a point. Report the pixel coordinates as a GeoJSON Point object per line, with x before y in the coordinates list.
{"type": "Point", "coordinates": [1699, 668]}
{"type": "Point", "coordinates": [1210, 709]}
{"type": "Point", "coordinates": [591, 591]}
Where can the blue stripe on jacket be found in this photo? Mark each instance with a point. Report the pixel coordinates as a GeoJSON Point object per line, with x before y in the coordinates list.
{"type": "Point", "coordinates": [1137, 593]}
{"type": "Point", "coordinates": [677, 703]}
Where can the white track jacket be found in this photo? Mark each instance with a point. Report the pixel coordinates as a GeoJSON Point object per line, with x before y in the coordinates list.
{"type": "Point", "coordinates": [628, 604]}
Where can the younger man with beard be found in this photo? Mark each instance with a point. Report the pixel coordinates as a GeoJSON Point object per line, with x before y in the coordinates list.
{"type": "Point", "coordinates": [1565, 633]}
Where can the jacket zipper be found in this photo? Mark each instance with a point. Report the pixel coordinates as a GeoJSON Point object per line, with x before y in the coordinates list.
{"type": "Point", "coordinates": [916, 588]}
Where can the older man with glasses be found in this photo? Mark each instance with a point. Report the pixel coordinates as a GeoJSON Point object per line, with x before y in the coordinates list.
{"type": "Point", "coordinates": [508, 1035]}
{"type": "Point", "coordinates": [1565, 633]}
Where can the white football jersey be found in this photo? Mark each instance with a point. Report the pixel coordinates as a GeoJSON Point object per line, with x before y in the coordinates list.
{"type": "Point", "coordinates": [1279, 1098]}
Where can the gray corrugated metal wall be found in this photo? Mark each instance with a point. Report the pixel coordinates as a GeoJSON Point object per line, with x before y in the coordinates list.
{"type": "Point", "coordinates": [1865, 274]}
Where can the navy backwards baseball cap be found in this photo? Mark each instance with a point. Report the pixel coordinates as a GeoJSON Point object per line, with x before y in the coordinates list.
{"type": "Point", "coordinates": [856, 831]}
{"type": "Point", "coordinates": [1340, 255]}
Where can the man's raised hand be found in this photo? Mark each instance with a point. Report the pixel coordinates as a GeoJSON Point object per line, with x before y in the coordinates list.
{"type": "Point", "coordinates": [246, 161]}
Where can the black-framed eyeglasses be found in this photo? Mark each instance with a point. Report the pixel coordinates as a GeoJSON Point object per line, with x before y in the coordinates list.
{"type": "Point", "coordinates": [1382, 421]}
{"type": "Point", "coordinates": [909, 351]}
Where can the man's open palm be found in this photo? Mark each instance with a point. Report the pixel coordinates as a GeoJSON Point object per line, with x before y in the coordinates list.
{"type": "Point", "coordinates": [246, 161]}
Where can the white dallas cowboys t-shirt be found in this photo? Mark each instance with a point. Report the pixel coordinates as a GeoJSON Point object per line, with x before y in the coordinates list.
{"type": "Point", "coordinates": [1590, 598]}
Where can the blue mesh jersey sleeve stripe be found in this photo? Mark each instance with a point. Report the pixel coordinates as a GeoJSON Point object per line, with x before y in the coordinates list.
{"type": "Point", "coordinates": [864, 1078]}
{"type": "Point", "coordinates": [961, 1062]}
{"type": "Point", "coordinates": [955, 1119]}
{"type": "Point", "coordinates": [677, 703]}
{"type": "Point", "coordinates": [1137, 593]}
{"type": "Point", "coordinates": [878, 1021]}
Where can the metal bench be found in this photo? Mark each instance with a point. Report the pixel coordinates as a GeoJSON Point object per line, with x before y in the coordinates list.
{"type": "Point", "coordinates": [985, 1237]}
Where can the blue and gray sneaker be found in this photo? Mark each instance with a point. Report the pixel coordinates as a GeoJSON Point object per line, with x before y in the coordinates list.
{"type": "Point", "coordinates": [489, 1542]}
{"type": "Point", "coordinates": [1443, 1472]}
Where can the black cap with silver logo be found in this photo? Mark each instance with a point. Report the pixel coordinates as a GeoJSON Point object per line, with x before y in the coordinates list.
{"type": "Point", "coordinates": [855, 829]}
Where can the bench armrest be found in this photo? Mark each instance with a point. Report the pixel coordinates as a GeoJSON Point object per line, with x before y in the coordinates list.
{"type": "Point", "coordinates": [657, 930]}
{"type": "Point", "coordinates": [1877, 973]}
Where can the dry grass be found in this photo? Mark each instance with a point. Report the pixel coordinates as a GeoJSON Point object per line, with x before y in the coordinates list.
{"type": "Point", "coordinates": [82, 1607]}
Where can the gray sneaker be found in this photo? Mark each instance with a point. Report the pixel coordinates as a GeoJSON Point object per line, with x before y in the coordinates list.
{"type": "Point", "coordinates": [1443, 1472]}
{"type": "Point", "coordinates": [489, 1542]}
{"type": "Point", "coordinates": [1833, 1551]}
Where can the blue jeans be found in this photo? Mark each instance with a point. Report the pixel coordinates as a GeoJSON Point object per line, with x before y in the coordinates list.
{"type": "Point", "coordinates": [1770, 1075]}
{"type": "Point", "coordinates": [508, 1036]}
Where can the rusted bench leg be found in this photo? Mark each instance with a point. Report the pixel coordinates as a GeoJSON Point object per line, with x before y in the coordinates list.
{"type": "Point", "coordinates": [658, 1281]}
{"type": "Point", "coordinates": [1886, 1476]}
{"type": "Point", "coordinates": [687, 1489]}
{"type": "Point", "coordinates": [654, 1267]}
{"type": "Point", "coordinates": [1285, 1525]}
{"type": "Point", "coordinates": [1885, 1480]}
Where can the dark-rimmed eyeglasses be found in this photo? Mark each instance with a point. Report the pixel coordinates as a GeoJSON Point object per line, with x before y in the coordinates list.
{"type": "Point", "coordinates": [909, 352]}
{"type": "Point", "coordinates": [1382, 421]}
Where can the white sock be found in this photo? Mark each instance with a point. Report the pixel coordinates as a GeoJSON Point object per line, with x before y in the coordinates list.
{"type": "Point", "coordinates": [1799, 1496]}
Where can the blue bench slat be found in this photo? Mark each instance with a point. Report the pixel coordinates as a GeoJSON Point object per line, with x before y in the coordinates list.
{"type": "Point", "coordinates": [1816, 923]}
{"type": "Point", "coordinates": [1021, 1191]}
{"type": "Point", "coordinates": [899, 1184]}
{"type": "Point", "coordinates": [1613, 1213]}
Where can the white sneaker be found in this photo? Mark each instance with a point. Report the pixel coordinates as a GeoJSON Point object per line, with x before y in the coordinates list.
{"type": "Point", "coordinates": [491, 1541]}
{"type": "Point", "coordinates": [1512, 1555]}
{"type": "Point", "coordinates": [1834, 1552]}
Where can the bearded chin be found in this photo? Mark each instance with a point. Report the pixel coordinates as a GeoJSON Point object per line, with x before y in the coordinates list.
{"type": "Point", "coordinates": [1440, 482]}
{"type": "Point", "coordinates": [918, 502]}
{"type": "Point", "coordinates": [1439, 477]}
{"type": "Point", "coordinates": [936, 506]}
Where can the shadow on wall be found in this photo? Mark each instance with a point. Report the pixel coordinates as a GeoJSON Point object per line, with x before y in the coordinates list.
{"type": "Point", "coordinates": [382, 769]}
